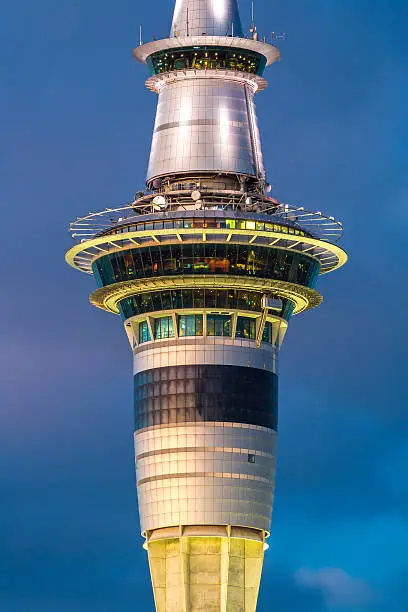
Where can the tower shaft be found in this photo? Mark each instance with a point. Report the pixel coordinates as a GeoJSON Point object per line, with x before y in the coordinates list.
{"type": "Point", "coordinates": [210, 571]}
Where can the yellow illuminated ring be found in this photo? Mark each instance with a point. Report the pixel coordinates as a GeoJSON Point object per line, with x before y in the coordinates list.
{"type": "Point", "coordinates": [80, 258]}
{"type": "Point", "coordinates": [107, 298]}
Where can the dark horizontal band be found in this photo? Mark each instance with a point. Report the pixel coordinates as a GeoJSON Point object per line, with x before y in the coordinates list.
{"type": "Point", "coordinates": [202, 449]}
{"type": "Point", "coordinates": [246, 477]}
{"type": "Point", "coordinates": [189, 122]}
{"type": "Point", "coordinates": [206, 393]}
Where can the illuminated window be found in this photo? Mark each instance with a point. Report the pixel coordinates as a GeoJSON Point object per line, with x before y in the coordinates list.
{"type": "Point", "coordinates": [218, 325]}
{"type": "Point", "coordinates": [246, 328]}
{"type": "Point", "coordinates": [207, 57]}
{"type": "Point", "coordinates": [267, 333]}
{"type": "Point", "coordinates": [206, 259]}
{"type": "Point", "coordinates": [190, 325]}
{"type": "Point", "coordinates": [164, 328]}
{"type": "Point", "coordinates": [144, 332]}
{"type": "Point", "coordinates": [212, 299]}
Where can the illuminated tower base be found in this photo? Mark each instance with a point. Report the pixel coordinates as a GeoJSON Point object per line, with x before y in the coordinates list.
{"type": "Point", "coordinates": [212, 569]}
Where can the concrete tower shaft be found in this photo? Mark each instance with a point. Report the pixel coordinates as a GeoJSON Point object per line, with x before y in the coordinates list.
{"type": "Point", "coordinates": [206, 17]}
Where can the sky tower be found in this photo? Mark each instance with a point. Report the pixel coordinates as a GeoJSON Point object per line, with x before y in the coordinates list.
{"type": "Point", "coordinates": [206, 269]}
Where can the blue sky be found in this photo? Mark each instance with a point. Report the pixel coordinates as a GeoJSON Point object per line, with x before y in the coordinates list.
{"type": "Point", "coordinates": [76, 130]}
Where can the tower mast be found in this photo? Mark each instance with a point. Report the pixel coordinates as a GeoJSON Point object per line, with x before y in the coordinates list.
{"type": "Point", "coordinates": [206, 270]}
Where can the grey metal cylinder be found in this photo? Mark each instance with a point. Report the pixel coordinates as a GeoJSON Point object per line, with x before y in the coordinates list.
{"type": "Point", "coordinates": [209, 17]}
{"type": "Point", "coordinates": [206, 125]}
{"type": "Point", "coordinates": [206, 431]}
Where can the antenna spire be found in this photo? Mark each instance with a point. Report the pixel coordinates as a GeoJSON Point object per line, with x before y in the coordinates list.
{"type": "Point", "coordinates": [253, 26]}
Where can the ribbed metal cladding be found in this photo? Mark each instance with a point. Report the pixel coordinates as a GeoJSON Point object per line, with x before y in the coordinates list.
{"type": "Point", "coordinates": [209, 17]}
{"type": "Point", "coordinates": [206, 452]}
{"type": "Point", "coordinates": [200, 474]}
{"type": "Point", "coordinates": [206, 125]}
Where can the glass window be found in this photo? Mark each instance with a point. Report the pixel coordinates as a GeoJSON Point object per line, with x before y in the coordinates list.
{"type": "Point", "coordinates": [246, 328]}
{"type": "Point", "coordinates": [177, 299]}
{"type": "Point", "coordinates": [146, 303]}
{"type": "Point", "coordinates": [190, 325]}
{"type": "Point", "coordinates": [303, 269]}
{"type": "Point", "coordinates": [164, 328]}
{"type": "Point", "coordinates": [267, 333]}
{"type": "Point", "coordinates": [248, 300]}
{"type": "Point", "coordinates": [199, 298]}
{"type": "Point", "coordinates": [207, 223]}
{"type": "Point", "coordinates": [207, 58]}
{"type": "Point", "coordinates": [166, 300]}
{"type": "Point", "coordinates": [219, 325]}
{"type": "Point", "coordinates": [144, 332]}
{"type": "Point", "coordinates": [288, 308]}
{"type": "Point", "coordinates": [187, 298]}
{"type": "Point", "coordinates": [206, 259]}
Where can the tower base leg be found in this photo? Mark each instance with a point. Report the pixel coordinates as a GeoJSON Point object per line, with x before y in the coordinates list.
{"type": "Point", "coordinates": [208, 572]}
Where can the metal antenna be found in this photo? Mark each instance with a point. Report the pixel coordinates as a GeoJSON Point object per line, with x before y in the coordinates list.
{"type": "Point", "coordinates": [140, 36]}
{"type": "Point", "coordinates": [278, 36]}
{"type": "Point", "coordinates": [187, 24]}
{"type": "Point", "coordinates": [253, 26]}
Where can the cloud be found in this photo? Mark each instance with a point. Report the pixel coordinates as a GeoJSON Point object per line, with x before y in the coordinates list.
{"type": "Point", "coordinates": [288, 595]}
{"type": "Point", "coordinates": [338, 587]}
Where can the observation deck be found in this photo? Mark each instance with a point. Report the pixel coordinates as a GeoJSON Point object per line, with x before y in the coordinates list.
{"type": "Point", "coordinates": [176, 252]}
{"type": "Point", "coordinates": [226, 218]}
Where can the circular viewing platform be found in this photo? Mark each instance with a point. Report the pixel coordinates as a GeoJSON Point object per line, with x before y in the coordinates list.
{"type": "Point", "coordinates": [229, 218]}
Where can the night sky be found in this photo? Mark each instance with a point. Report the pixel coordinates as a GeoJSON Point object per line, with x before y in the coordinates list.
{"type": "Point", "coordinates": [76, 129]}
